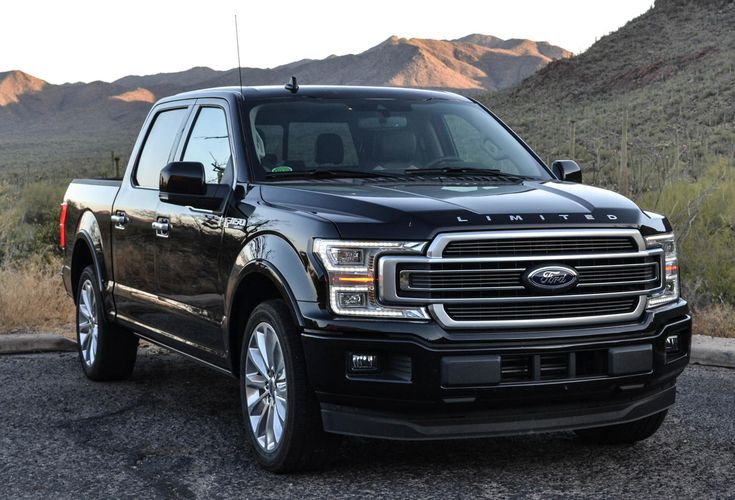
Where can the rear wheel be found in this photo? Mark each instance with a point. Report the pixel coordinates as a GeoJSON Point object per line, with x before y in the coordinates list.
{"type": "Point", "coordinates": [280, 410]}
{"type": "Point", "coordinates": [627, 433]}
{"type": "Point", "coordinates": [106, 351]}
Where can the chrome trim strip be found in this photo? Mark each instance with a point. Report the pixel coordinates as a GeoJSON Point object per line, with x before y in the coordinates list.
{"type": "Point", "coordinates": [521, 299]}
{"type": "Point", "coordinates": [205, 211]}
{"type": "Point", "coordinates": [531, 298]}
{"type": "Point", "coordinates": [617, 265]}
{"type": "Point", "coordinates": [613, 283]}
{"type": "Point", "coordinates": [166, 334]}
{"type": "Point", "coordinates": [441, 241]}
{"type": "Point", "coordinates": [462, 289]}
{"type": "Point", "coordinates": [440, 314]}
{"type": "Point", "coordinates": [472, 260]}
{"type": "Point", "coordinates": [166, 302]}
{"type": "Point", "coordinates": [468, 271]}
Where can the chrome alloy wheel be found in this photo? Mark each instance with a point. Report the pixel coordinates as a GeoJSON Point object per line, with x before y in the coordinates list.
{"type": "Point", "coordinates": [87, 323]}
{"type": "Point", "coordinates": [265, 387]}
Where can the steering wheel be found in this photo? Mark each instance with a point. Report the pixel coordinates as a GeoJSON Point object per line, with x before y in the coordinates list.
{"type": "Point", "coordinates": [443, 159]}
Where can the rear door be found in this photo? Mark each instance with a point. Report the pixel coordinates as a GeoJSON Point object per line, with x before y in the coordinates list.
{"type": "Point", "coordinates": [134, 246]}
{"type": "Point", "coordinates": [189, 276]}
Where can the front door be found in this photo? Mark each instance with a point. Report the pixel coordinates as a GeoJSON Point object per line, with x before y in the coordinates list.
{"type": "Point", "coordinates": [190, 280]}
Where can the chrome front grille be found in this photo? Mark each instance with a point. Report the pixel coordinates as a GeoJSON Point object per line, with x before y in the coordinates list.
{"type": "Point", "coordinates": [474, 280]}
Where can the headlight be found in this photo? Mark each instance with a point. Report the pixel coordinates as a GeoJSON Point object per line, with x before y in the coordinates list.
{"type": "Point", "coordinates": [350, 268]}
{"type": "Point", "coordinates": [670, 291]}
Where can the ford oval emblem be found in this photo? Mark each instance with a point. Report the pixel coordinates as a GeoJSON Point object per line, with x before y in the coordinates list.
{"type": "Point", "coordinates": [551, 279]}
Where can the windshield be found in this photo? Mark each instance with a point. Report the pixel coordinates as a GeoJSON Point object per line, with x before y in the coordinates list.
{"type": "Point", "coordinates": [366, 137]}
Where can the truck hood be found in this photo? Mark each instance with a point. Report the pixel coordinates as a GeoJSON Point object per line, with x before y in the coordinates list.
{"type": "Point", "coordinates": [418, 210]}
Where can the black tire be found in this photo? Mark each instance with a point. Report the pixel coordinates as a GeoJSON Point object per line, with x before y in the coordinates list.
{"type": "Point", "coordinates": [628, 433]}
{"type": "Point", "coordinates": [114, 352]}
{"type": "Point", "coordinates": [303, 443]}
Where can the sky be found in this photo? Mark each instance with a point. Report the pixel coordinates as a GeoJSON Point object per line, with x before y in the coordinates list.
{"type": "Point", "coordinates": [80, 40]}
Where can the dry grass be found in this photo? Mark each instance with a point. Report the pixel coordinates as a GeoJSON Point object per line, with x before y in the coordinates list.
{"type": "Point", "coordinates": [32, 298]}
{"type": "Point", "coordinates": [717, 320]}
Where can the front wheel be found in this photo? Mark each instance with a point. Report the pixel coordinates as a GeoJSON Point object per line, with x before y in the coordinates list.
{"type": "Point", "coordinates": [280, 410]}
{"type": "Point", "coordinates": [627, 433]}
{"type": "Point", "coordinates": [106, 351]}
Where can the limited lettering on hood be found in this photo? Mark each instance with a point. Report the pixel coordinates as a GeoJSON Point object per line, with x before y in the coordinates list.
{"type": "Point", "coordinates": [545, 218]}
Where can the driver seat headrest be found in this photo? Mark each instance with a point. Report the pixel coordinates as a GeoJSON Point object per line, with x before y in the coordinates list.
{"type": "Point", "coordinates": [396, 146]}
{"type": "Point", "coordinates": [329, 149]}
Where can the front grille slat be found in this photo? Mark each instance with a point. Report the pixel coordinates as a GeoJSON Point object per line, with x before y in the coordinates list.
{"type": "Point", "coordinates": [552, 309]}
{"type": "Point", "coordinates": [519, 368]}
{"type": "Point", "coordinates": [536, 246]}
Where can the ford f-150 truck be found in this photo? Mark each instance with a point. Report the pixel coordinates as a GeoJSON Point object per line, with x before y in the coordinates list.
{"type": "Point", "coordinates": [380, 262]}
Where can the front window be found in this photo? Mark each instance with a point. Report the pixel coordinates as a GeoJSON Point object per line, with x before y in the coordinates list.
{"type": "Point", "coordinates": [378, 136]}
{"type": "Point", "coordinates": [209, 144]}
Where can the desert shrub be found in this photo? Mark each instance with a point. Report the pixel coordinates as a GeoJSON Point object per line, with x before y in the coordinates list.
{"type": "Point", "coordinates": [29, 219]}
{"type": "Point", "coordinates": [703, 215]}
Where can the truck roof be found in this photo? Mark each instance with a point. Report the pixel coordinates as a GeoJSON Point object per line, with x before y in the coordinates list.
{"type": "Point", "coordinates": [256, 93]}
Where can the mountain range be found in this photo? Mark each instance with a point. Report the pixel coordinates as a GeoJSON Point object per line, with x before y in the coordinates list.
{"type": "Point", "coordinates": [104, 115]}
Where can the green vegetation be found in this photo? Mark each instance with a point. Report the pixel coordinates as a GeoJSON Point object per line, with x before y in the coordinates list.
{"type": "Point", "coordinates": [703, 214]}
{"type": "Point", "coordinates": [29, 209]}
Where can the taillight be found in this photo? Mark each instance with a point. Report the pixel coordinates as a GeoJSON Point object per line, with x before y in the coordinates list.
{"type": "Point", "coordinates": [62, 226]}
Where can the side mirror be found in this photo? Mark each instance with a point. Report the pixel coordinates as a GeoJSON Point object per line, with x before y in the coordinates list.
{"type": "Point", "coordinates": [183, 177]}
{"type": "Point", "coordinates": [184, 183]}
{"type": "Point", "coordinates": [567, 170]}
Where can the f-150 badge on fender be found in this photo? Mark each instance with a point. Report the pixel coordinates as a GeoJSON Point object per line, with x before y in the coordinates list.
{"type": "Point", "coordinates": [230, 222]}
{"type": "Point", "coordinates": [235, 223]}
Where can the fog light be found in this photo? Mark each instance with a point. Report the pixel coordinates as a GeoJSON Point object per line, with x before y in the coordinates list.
{"type": "Point", "coordinates": [672, 344]}
{"type": "Point", "coordinates": [364, 363]}
{"type": "Point", "coordinates": [347, 300]}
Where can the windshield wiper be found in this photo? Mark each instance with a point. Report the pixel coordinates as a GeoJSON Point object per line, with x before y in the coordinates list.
{"type": "Point", "coordinates": [327, 174]}
{"type": "Point", "coordinates": [487, 172]}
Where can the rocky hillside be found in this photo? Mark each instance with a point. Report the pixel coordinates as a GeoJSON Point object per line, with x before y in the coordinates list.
{"type": "Point", "coordinates": [473, 63]}
{"type": "Point", "coordinates": [656, 94]}
{"type": "Point", "coordinates": [15, 84]}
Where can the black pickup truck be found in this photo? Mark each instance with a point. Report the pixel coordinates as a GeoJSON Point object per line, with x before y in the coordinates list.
{"type": "Point", "coordinates": [379, 262]}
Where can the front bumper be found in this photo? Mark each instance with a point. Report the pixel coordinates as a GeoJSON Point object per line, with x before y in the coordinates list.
{"type": "Point", "coordinates": [530, 381]}
{"type": "Point", "coordinates": [487, 423]}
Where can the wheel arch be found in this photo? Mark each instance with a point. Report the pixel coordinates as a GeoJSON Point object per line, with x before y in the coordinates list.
{"type": "Point", "coordinates": [268, 267]}
{"type": "Point", "coordinates": [87, 251]}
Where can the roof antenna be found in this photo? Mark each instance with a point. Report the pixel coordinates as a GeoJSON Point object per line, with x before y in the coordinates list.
{"type": "Point", "coordinates": [239, 67]}
{"type": "Point", "coordinates": [292, 86]}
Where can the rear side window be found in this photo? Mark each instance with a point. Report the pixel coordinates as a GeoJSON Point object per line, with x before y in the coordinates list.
{"type": "Point", "coordinates": [157, 147]}
{"type": "Point", "coordinates": [209, 144]}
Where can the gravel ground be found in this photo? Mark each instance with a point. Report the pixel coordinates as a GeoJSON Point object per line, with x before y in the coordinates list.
{"type": "Point", "coordinates": [173, 430]}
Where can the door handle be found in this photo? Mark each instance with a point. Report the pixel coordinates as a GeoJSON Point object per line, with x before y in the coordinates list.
{"type": "Point", "coordinates": [162, 227]}
{"type": "Point", "coordinates": [119, 219]}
